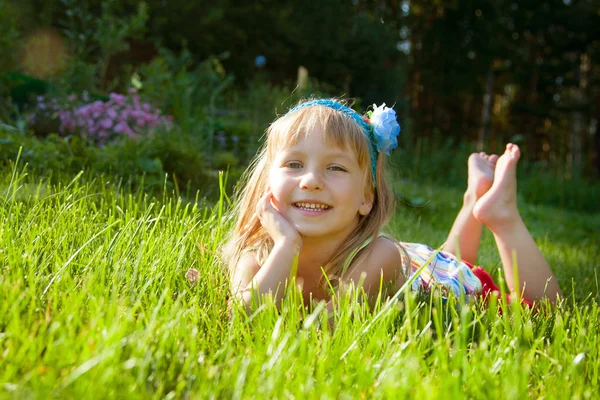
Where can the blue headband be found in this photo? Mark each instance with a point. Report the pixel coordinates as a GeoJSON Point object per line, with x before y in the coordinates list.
{"type": "Point", "coordinates": [381, 126]}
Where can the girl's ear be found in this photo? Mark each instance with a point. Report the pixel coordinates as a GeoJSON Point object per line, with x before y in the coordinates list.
{"type": "Point", "coordinates": [365, 208]}
{"type": "Point", "coordinates": [366, 205]}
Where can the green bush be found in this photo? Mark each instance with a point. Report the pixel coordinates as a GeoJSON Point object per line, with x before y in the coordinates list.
{"type": "Point", "coordinates": [189, 92]}
{"type": "Point", "coordinates": [170, 154]}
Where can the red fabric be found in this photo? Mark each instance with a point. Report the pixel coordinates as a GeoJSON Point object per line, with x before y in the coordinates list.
{"type": "Point", "coordinates": [488, 284]}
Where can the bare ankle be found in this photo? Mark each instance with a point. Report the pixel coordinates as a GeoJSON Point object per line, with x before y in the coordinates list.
{"type": "Point", "coordinates": [501, 223]}
{"type": "Point", "coordinates": [469, 198]}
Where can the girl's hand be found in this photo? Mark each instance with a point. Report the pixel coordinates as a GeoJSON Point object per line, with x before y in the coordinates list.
{"type": "Point", "coordinates": [280, 229]}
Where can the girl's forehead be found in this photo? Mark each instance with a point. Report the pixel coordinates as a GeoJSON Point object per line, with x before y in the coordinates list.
{"type": "Point", "coordinates": [313, 135]}
{"type": "Point", "coordinates": [319, 125]}
{"type": "Point", "coordinates": [315, 138]}
{"type": "Point", "coordinates": [314, 145]}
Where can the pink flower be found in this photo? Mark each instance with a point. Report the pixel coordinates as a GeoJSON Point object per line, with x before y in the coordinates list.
{"type": "Point", "coordinates": [122, 127]}
{"type": "Point", "coordinates": [125, 114]}
{"type": "Point", "coordinates": [112, 113]}
{"type": "Point", "coordinates": [121, 115]}
{"type": "Point", "coordinates": [106, 123]}
{"type": "Point", "coordinates": [136, 101]}
{"type": "Point", "coordinates": [117, 98]}
{"type": "Point", "coordinates": [97, 109]}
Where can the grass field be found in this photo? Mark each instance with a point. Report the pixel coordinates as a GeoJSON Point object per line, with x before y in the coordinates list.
{"type": "Point", "coordinates": [94, 303]}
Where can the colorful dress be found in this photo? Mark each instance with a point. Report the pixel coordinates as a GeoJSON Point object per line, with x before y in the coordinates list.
{"type": "Point", "coordinates": [443, 271]}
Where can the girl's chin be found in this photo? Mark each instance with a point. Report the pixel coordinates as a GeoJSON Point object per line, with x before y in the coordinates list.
{"type": "Point", "coordinates": [311, 232]}
{"type": "Point", "coordinates": [307, 231]}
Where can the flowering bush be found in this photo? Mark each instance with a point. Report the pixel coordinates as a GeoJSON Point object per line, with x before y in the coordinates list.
{"type": "Point", "coordinates": [43, 119]}
{"type": "Point", "coordinates": [102, 121]}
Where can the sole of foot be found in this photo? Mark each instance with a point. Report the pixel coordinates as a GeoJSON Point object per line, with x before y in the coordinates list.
{"type": "Point", "coordinates": [481, 173]}
{"type": "Point", "coordinates": [498, 206]}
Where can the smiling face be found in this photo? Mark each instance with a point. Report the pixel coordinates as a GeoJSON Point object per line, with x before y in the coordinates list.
{"type": "Point", "coordinates": [319, 187]}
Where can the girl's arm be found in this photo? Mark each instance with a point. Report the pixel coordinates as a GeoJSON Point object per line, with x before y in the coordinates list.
{"type": "Point", "coordinates": [382, 263]}
{"type": "Point", "coordinates": [250, 280]}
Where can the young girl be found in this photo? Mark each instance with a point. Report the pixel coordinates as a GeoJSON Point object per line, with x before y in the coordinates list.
{"type": "Point", "coordinates": [316, 200]}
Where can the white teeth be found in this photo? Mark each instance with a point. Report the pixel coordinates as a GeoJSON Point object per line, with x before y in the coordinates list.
{"type": "Point", "coordinates": [312, 206]}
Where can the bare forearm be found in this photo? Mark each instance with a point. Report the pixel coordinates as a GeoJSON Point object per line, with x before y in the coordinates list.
{"type": "Point", "coordinates": [272, 276]}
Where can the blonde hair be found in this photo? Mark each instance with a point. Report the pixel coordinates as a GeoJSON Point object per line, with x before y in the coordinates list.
{"type": "Point", "coordinates": [338, 130]}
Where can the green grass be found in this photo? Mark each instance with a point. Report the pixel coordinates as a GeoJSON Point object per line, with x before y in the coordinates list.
{"type": "Point", "coordinates": [94, 303]}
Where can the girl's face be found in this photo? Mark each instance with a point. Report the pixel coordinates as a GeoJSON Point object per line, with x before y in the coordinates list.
{"type": "Point", "coordinates": [320, 189]}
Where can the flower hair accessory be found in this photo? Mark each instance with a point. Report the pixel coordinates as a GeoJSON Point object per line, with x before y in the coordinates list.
{"type": "Point", "coordinates": [380, 126]}
{"type": "Point", "coordinates": [385, 127]}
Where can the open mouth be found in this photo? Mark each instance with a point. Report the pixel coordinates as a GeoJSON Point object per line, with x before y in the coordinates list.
{"type": "Point", "coordinates": [315, 207]}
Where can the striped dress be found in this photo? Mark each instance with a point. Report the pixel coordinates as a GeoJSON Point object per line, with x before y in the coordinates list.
{"type": "Point", "coordinates": [443, 272]}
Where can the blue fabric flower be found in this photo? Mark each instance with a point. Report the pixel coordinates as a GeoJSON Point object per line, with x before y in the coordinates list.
{"type": "Point", "coordinates": [385, 128]}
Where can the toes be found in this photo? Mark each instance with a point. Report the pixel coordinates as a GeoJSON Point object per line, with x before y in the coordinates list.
{"type": "Point", "coordinates": [516, 151]}
{"type": "Point", "coordinates": [513, 150]}
{"type": "Point", "coordinates": [473, 157]}
{"type": "Point", "coordinates": [493, 159]}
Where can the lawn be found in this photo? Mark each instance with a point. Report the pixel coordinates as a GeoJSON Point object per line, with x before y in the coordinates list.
{"type": "Point", "coordinates": [95, 304]}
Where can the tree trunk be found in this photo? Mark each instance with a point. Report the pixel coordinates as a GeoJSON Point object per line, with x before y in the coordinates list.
{"type": "Point", "coordinates": [579, 100]}
{"type": "Point", "coordinates": [574, 161]}
{"type": "Point", "coordinates": [597, 134]}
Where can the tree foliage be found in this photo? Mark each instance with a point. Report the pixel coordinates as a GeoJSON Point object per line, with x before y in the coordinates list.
{"type": "Point", "coordinates": [481, 70]}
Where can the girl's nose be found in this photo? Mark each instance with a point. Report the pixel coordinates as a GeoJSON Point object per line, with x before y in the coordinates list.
{"type": "Point", "coordinates": [311, 181]}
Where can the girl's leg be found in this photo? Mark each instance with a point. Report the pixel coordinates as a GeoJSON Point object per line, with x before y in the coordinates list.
{"type": "Point", "coordinates": [465, 235]}
{"type": "Point", "coordinates": [497, 209]}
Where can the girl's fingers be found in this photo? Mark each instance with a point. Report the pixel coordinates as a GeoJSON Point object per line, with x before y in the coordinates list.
{"type": "Point", "coordinates": [267, 201]}
{"type": "Point", "coordinates": [261, 206]}
{"type": "Point", "coordinates": [264, 205]}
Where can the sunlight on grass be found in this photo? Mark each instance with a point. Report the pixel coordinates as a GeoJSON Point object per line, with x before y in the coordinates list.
{"type": "Point", "coordinates": [94, 300]}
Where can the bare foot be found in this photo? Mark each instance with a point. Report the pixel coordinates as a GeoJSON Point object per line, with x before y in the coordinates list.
{"type": "Point", "coordinates": [498, 205]}
{"type": "Point", "coordinates": [481, 173]}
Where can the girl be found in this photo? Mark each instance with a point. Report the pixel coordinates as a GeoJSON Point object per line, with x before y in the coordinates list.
{"type": "Point", "coordinates": [316, 200]}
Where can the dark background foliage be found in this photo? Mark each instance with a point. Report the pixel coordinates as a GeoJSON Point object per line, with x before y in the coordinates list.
{"type": "Point", "coordinates": [459, 73]}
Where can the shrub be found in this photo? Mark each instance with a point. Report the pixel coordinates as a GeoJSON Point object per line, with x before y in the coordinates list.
{"type": "Point", "coordinates": [174, 154]}
{"type": "Point", "coordinates": [170, 154]}
{"type": "Point", "coordinates": [99, 121]}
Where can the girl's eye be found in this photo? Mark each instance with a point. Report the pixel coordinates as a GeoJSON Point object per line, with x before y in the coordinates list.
{"type": "Point", "coordinates": [337, 168]}
{"type": "Point", "coordinates": [294, 165]}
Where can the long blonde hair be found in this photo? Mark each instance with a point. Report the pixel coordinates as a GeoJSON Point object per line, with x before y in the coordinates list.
{"type": "Point", "coordinates": [338, 130]}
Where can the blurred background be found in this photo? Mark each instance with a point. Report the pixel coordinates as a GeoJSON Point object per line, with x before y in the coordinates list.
{"type": "Point", "coordinates": [187, 88]}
